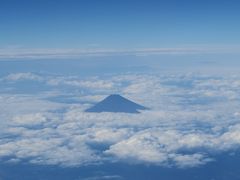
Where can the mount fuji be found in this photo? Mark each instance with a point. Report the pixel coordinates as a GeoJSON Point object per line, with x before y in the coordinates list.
{"type": "Point", "coordinates": [116, 103]}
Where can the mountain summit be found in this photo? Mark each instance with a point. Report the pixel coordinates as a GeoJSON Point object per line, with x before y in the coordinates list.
{"type": "Point", "coordinates": [116, 103]}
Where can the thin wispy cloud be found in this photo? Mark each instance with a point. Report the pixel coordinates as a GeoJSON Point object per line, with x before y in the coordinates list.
{"type": "Point", "coordinates": [38, 53]}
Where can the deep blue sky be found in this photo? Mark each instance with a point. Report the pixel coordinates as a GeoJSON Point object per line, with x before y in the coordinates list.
{"type": "Point", "coordinates": [118, 23]}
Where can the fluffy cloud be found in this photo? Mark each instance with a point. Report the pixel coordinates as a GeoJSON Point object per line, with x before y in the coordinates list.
{"type": "Point", "coordinates": [23, 76]}
{"type": "Point", "coordinates": [95, 83]}
{"type": "Point", "coordinates": [192, 117]}
{"type": "Point", "coordinates": [29, 119]}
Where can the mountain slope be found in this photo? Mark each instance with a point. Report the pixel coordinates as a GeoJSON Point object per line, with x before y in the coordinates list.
{"type": "Point", "coordinates": [116, 103]}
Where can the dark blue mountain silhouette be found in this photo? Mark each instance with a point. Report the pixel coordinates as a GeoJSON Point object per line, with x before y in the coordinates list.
{"type": "Point", "coordinates": [116, 103]}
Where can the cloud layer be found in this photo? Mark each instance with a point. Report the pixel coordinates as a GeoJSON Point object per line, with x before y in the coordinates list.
{"type": "Point", "coordinates": [192, 117]}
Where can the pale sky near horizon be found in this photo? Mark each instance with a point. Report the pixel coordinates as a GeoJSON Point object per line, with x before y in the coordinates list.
{"type": "Point", "coordinates": [74, 27]}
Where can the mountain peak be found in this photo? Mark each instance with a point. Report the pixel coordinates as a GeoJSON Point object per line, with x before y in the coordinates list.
{"type": "Point", "coordinates": [116, 103]}
{"type": "Point", "coordinates": [115, 96]}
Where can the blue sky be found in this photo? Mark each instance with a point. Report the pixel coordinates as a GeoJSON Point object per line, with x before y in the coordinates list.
{"type": "Point", "coordinates": [118, 24]}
